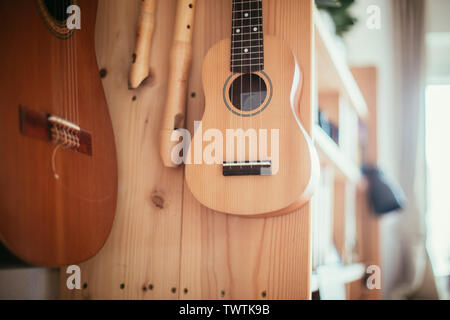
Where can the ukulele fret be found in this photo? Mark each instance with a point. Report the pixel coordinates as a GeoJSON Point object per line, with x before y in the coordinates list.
{"type": "Point", "coordinates": [247, 40]}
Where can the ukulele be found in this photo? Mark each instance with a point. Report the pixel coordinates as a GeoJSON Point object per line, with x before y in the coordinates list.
{"type": "Point", "coordinates": [250, 155]}
{"type": "Point", "coordinates": [58, 167]}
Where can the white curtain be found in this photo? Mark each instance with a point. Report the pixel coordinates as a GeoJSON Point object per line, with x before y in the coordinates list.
{"type": "Point", "coordinates": [409, 25]}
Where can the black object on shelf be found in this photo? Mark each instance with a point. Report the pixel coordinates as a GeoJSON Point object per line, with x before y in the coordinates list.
{"type": "Point", "coordinates": [384, 195]}
{"type": "Point", "coordinates": [328, 127]}
{"type": "Point", "coordinates": [324, 123]}
{"type": "Point", "coordinates": [334, 133]}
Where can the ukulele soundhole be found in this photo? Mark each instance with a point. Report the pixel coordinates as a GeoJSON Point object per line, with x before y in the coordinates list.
{"type": "Point", "coordinates": [247, 92]}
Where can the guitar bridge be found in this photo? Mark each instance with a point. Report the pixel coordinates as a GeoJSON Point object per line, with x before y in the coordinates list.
{"type": "Point", "coordinates": [247, 168]}
{"type": "Point", "coordinates": [44, 126]}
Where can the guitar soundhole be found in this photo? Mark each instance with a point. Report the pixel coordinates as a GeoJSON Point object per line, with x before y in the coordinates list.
{"type": "Point", "coordinates": [54, 13]}
{"type": "Point", "coordinates": [57, 9]}
{"type": "Point", "coordinates": [248, 92]}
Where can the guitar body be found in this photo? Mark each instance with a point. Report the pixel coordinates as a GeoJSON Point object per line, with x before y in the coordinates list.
{"type": "Point", "coordinates": [57, 197]}
{"type": "Point", "coordinates": [295, 169]}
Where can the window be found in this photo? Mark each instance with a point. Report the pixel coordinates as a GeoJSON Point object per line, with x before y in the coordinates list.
{"type": "Point", "coordinates": [438, 161]}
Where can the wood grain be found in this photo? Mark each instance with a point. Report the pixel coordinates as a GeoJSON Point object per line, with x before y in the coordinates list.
{"type": "Point", "coordinates": [232, 257]}
{"type": "Point", "coordinates": [263, 258]}
{"type": "Point", "coordinates": [46, 220]}
{"type": "Point", "coordinates": [143, 249]}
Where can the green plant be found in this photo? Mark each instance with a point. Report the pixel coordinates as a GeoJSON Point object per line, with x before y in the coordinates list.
{"type": "Point", "coordinates": [339, 11]}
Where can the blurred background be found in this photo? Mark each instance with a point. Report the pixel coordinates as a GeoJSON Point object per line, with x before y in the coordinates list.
{"type": "Point", "coordinates": [408, 42]}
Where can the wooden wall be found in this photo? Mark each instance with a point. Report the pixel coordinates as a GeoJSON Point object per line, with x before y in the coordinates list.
{"type": "Point", "coordinates": [164, 244]}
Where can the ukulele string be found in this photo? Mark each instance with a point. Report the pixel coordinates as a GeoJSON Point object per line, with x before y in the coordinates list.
{"type": "Point", "coordinates": [250, 97]}
{"type": "Point", "coordinates": [233, 64]}
{"type": "Point", "coordinates": [250, 74]}
{"type": "Point", "coordinates": [241, 43]}
{"type": "Point", "coordinates": [260, 49]}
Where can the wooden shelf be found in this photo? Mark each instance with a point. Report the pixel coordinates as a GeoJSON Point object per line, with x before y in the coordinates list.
{"type": "Point", "coordinates": [333, 73]}
{"type": "Point", "coordinates": [330, 154]}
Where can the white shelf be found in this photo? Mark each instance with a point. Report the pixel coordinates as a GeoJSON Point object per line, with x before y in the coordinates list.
{"type": "Point", "coordinates": [345, 274]}
{"type": "Point", "coordinates": [330, 154]}
{"type": "Point", "coordinates": [333, 73]}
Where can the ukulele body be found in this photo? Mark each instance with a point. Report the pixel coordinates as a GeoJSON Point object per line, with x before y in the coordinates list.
{"type": "Point", "coordinates": [57, 204]}
{"type": "Point", "coordinates": [294, 173]}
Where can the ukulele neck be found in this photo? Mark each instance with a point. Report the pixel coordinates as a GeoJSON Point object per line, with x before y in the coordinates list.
{"type": "Point", "coordinates": [247, 41]}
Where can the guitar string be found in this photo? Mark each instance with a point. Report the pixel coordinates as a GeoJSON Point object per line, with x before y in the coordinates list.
{"type": "Point", "coordinates": [69, 70]}
{"type": "Point", "coordinates": [72, 86]}
{"type": "Point", "coordinates": [71, 74]}
{"type": "Point", "coordinates": [55, 72]}
{"type": "Point", "coordinates": [58, 68]}
{"type": "Point", "coordinates": [75, 74]}
{"type": "Point", "coordinates": [63, 86]}
{"type": "Point", "coordinates": [65, 71]}
{"type": "Point", "coordinates": [73, 67]}
{"type": "Point", "coordinates": [76, 77]}
{"type": "Point", "coordinates": [60, 107]}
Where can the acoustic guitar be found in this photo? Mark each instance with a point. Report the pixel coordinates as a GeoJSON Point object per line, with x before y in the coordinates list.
{"type": "Point", "coordinates": [250, 155]}
{"type": "Point", "coordinates": [58, 169]}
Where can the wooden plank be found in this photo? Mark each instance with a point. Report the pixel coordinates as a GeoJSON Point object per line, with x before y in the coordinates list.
{"type": "Point", "coordinates": [144, 245]}
{"type": "Point", "coordinates": [367, 222]}
{"type": "Point", "coordinates": [333, 72]}
{"type": "Point", "coordinates": [232, 257]}
{"type": "Point", "coordinates": [339, 217]}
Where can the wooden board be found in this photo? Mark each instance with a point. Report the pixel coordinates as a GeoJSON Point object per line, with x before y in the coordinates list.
{"type": "Point", "coordinates": [367, 222]}
{"type": "Point", "coordinates": [207, 255]}
{"type": "Point", "coordinates": [232, 257]}
{"type": "Point", "coordinates": [339, 220]}
{"type": "Point", "coordinates": [144, 245]}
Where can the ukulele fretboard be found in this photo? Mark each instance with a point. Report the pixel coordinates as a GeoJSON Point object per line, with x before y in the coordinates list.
{"type": "Point", "coordinates": [247, 42]}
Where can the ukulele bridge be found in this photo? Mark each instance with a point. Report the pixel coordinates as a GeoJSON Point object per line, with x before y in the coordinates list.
{"type": "Point", "coordinates": [247, 168]}
{"type": "Point", "coordinates": [44, 126]}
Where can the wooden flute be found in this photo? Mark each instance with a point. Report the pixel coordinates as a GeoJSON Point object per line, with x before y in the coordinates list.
{"type": "Point", "coordinates": [180, 60]}
{"type": "Point", "coordinates": [140, 67]}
